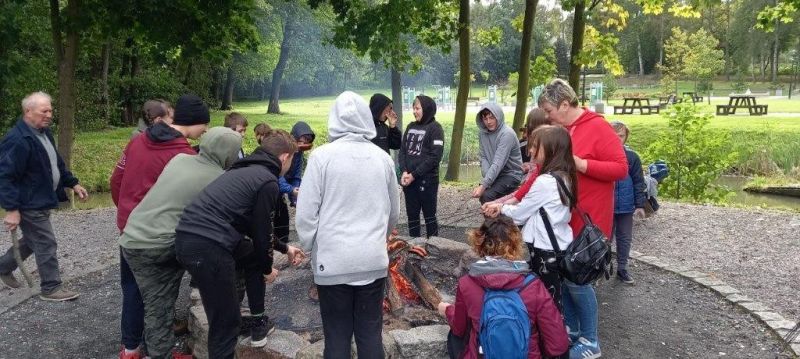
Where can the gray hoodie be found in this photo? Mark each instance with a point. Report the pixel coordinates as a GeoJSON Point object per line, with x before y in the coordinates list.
{"type": "Point", "coordinates": [500, 155]}
{"type": "Point", "coordinates": [348, 200]}
{"type": "Point", "coordinates": [152, 223]}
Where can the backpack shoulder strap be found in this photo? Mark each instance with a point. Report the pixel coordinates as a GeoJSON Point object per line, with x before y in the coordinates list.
{"type": "Point", "coordinates": [529, 278]}
{"type": "Point", "coordinates": [549, 228]}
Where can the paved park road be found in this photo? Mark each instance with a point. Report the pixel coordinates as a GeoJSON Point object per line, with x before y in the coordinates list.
{"type": "Point", "coordinates": [662, 316]}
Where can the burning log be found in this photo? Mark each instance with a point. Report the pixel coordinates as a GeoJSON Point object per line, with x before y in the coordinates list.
{"type": "Point", "coordinates": [406, 283]}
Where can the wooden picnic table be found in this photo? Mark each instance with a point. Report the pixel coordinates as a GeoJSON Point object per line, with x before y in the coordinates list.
{"type": "Point", "coordinates": [695, 98]}
{"type": "Point", "coordinates": [741, 101]}
{"type": "Point", "coordinates": [635, 103]}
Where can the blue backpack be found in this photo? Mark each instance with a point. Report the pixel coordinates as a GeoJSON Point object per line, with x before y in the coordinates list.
{"type": "Point", "coordinates": [505, 326]}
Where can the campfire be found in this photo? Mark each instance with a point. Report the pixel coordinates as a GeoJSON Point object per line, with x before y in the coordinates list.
{"type": "Point", "coordinates": [406, 284]}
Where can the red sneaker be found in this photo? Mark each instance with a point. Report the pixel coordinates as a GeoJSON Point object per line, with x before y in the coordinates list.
{"type": "Point", "coordinates": [136, 354]}
{"type": "Point", "coordinates": [179, 355]}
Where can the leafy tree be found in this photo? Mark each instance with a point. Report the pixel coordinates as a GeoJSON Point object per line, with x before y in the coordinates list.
{"type": "Point", "coordinates": [695, 155]}
{"type": "Point", "coordinates": [524, 64]}
{"type": "Point", "coordinates": [704, 59]}
{"type": "Point", "coordinates": [454, 157]}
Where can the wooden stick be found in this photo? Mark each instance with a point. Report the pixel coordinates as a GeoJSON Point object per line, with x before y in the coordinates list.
{"type": "Point", "coordinates": [427, 291]}
{"type": "Point", "coordinates": [18, 258]}
{"type": "Point", "coordinates": [396, 305]}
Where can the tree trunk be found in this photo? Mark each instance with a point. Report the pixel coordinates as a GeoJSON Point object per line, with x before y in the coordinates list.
{"type": "Point", "coordinates": [188, 75]}
{"type": "Point", "coordinates": [775, 53]}
{"type": "Point", "coordinates": [454, 159]}
{"type": "Point", "coordinates": [105, 96]}
{"type": "Point", "coordinates": [216, 79]}
{"type": "Point", "coordinates": [639, 53]}
{"type": "Point", "coordinates": [660, 43]}
{"type": "Point", "coordinates": [578, 27]}
{"type": "Point", "coordinates": [131, 105]}
{"type": "Point", "coordinates": [123, 73]}
{"type": "Point", "coordinates": [277, 74]}
{"type": "Point", "coordinates": [227, 96]}
{"type": "Point", "coordinates": [397, 97]}
{"type": "Point", "coordinates": [524, 64]}
{"type": "Point", "coordinates": [66, 49]}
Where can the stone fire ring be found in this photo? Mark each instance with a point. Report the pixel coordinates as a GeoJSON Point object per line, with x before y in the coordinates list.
{"type": "Point", "coordinates": [425, 341]}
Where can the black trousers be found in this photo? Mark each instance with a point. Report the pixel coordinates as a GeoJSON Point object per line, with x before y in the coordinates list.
{"type": "Point", "coordinates": [422, 195]}
{"type": "Point", "coordinates": [352, 310]}
{"type": "Point", "coordinates": [214, 272]}
{"type": "Point", "coordinates": [502, 186]}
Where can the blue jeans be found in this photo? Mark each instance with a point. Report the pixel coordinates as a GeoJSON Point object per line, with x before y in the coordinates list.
{"type": "Point", "coordinates": [623, 235]}
{"type": "Point", "coordinates": [132, 321]}
{"type": "Point", "coordinates": [580, 310]}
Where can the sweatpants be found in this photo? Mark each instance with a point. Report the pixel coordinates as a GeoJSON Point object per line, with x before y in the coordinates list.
{"type": "Point", "coordinates": [502, 185]}
{"type": "Point", "coordinates": [214, 272]}
{"type": "Point", "coordinates": [422, 195]}
{"type": "Point", "coordinates": [158, 274]}
{"type": "Point", "coordinates": [38, 239]}
{"type": "Point", "coordinates": [352, 310]}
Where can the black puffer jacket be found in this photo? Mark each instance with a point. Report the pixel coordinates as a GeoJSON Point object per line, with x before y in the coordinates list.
{"type": "Point", "coordinates": [241, 202]}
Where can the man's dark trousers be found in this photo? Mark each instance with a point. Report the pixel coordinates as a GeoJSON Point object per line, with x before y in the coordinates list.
{"type": "Point", "coordinates": [37, 238]}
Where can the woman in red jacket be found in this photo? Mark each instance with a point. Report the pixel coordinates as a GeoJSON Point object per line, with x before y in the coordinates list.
{"type": "Point", "coordinates": [499, 241]}
{"type": "Point", "coordinates": [600, 161]}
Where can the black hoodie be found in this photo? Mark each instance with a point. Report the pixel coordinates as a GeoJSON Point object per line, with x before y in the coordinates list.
{"type": "Point", "coordinates": [241, 202]}
{"type": "Point", "coordinates": [423, 144]}
{"type": "Point", "coordinates": [386, 137]}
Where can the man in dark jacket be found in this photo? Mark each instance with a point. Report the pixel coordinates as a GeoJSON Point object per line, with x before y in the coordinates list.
{"type": "Point", "coordinates": [388, 136]}
{"type": "Point", "coordinates": [32, 182]}
{"type": "Point", "coordinates": [419, 157]}
{"type": "Point", "coordinates": [210, 235]}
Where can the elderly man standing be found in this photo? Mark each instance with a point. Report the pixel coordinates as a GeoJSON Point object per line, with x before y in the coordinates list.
{"type": "Point", "coordinates": [501, 160]}
{"type": "Point", "coordinates": [32, 182]}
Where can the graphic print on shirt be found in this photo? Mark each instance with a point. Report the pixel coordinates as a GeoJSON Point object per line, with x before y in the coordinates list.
{"type": "Point", "coordinates": [414, 141]}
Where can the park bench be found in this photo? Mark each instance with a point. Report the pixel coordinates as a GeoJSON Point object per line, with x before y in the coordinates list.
{"type": "Point", "coordinates": [636, 103]}
{"type": "Point", "coordinates": [742, 101]}
{"type": "Point", "coordinates": [476, 100]}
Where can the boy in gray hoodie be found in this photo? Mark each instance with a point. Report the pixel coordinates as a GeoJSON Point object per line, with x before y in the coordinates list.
{"type": "Point", "coordinates": [345, 224]}
{"type": "Point", "coordinates": [501, 160]}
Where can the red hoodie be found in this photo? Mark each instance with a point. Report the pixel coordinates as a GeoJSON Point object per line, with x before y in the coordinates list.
{"type": "Point", "coordinates": [594, 140]}
{"type": "Point", "coordinates": [548, 332]}
{"type": "Point", "coordinates": [141, 163]}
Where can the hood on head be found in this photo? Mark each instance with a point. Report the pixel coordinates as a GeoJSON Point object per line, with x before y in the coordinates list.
{"type": "Point", "coordinates": [377, 103]}
{"type": "Point", "coordinates": [350, 115]}
{"type": "Point", "coordinates": [221, 145]}
{"type": "Point", "coordinates": [428, 108]}
{"type": "Point", "coordinates": [498, 113]}
{"type": "Point", "coordinates": [498, 273]}
{"type": "Point", "coordinates": [301, 129]}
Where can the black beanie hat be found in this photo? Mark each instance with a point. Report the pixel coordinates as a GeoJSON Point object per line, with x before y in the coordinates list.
{"type": "Point", "coordinates": [190, 110]}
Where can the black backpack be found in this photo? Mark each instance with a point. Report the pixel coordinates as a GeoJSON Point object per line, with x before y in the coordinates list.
{"type": "Point", "coordinates": [588, 257]}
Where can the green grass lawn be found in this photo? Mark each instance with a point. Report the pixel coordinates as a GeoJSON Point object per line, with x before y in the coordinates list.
{"type": "Point", "coordinates": [96, 152]}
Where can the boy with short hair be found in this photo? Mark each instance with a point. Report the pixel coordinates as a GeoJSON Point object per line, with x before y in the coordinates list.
{"type": "Point", "coordinates": [237, 122]}
{"type": "Point", "coordinates": [290, 182]}
{"type": "Point", "coordinates": [211, 234]}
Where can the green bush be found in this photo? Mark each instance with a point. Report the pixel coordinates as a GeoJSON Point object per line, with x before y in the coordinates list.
{"type": "Point", "coordinates": [696, 156]}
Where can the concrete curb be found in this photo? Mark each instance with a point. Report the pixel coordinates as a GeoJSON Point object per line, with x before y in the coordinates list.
{"type": "Point", "coordinates": [779, 325]}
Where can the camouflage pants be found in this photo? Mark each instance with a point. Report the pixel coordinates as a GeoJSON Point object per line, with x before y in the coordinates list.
{"type": "Point", "coordinates": [158, 275]}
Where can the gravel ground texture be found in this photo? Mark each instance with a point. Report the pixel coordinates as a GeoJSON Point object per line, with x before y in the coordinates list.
{"type": "Point", "coordinates": [755, 250]}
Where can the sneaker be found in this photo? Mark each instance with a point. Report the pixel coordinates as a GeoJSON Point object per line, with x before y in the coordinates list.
{"type": "Point", "coordinates": [261, 328]}
{"type": "Point", "coordinates": [624, 276]}
{"type": "Point", "coordinates": [60, 295]}
{"type": "Point", "coordinates": [10, 281]}
{"type": "Point", "coordinates": [130, 354]}
{"type": "Point", "coordinates": [584, 349]}
{"type": "Point", "coordinates": [177, 354]}
{"type": "Point", "coordinates": [247, 324]}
